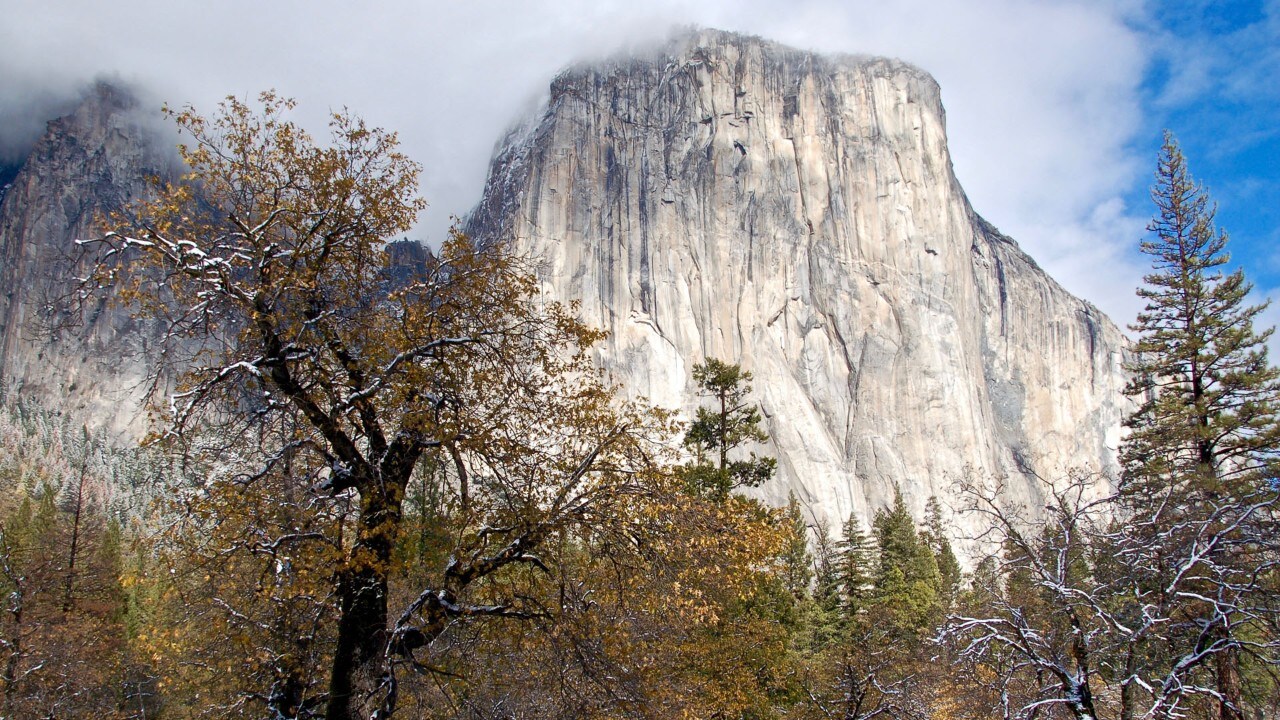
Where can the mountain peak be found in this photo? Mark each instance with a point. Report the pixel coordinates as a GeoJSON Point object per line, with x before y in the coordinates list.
{"type": "Point", "coordinates": [726, 196]}
{"type": "Point", "coordinates": [732, 52]}
{"type": "Point", "coordinates": [93, 160]}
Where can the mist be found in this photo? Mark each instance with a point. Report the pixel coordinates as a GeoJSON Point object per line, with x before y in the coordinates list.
{"type": "Point", "coordinates": [24, 113]}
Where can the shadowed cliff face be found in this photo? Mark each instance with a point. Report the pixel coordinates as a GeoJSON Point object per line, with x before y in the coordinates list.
{"type": "Point", "coordinates": [729, 197]}
{"type": "Point", "coordinates": [94, 160]}
{"type": "Point", "coordinates": [7, 175]}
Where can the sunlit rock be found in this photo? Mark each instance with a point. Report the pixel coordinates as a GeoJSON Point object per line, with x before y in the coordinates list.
{"type": "Point", "coordinates": [730, 197]}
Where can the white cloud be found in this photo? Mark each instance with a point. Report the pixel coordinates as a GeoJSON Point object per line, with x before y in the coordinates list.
{"type": "Point", "coordinates": [1042, 98]}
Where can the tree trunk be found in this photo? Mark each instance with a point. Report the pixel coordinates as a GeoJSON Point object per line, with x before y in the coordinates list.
{"type": "Point", "coordinates": [1080, 692]}
{"type": "Point", "coordinates": [362, 636]}
{"type": "Point", "coordinates": [68, 596]}
{"type": "Point", "coordinates": [362, 592]}
{"type": "Point", "coordinates": [10, 676]}
{"type": "Point", "coordinates": [1129, 688]}
{"type": "Point", "coordinates": [1230, 696]}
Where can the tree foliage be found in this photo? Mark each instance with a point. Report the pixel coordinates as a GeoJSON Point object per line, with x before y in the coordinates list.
{"type": "Point", "coordinates": [907, 584]}
{"type": "Point", "coordinates": [865, 649]}
{"type": "Point", "coordinates": [854, 567]}
{"type": "Point", "coordinates": [304, 357]}
{"type": "Point", "coordinates": [1207, 394]}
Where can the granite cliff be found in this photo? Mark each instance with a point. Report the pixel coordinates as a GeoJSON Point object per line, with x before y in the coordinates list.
{"type": "Point", "coordinates": [722, 196]}
{"type": "Point", "coordinates": [729, 197]}
{"type": "Point", "coordinates": [94, 160]}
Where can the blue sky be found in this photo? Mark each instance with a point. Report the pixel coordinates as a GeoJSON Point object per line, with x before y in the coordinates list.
{"type": "Point", "coordinates": [1214, 80]}
{"type": "Point", "coordinates": [1055, 108]}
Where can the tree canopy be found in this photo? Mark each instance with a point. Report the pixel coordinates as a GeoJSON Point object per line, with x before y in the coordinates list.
{"type": "Point", "coordinates": [303, 356]}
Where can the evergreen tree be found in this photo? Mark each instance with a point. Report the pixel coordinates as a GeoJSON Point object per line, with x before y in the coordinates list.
{"type": "Point", "coordinates": [717, 431]}
{"type": "Point", "coordinates": [1207, 395]}
{"type": "Point", "coordinates": [855, 560]}
{"type": "Point", "coordinates": [907, 580]}
{"type": "Point", "coordinates": [822, 615]}
{"type": "Point", "coordinates": [826, 586]}
{"type": "Point", "coordinates": [797, 563]}
{"type": "Point", "coordinates": [1205, 438]}
{"type": "Point", "coordinates": [934, 535]}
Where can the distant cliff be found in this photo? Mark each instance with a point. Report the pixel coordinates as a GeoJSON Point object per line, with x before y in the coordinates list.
{"type": "Point", "coordinates": [730, 197]}
{"type": "Point", "coordinates": [94, 160]}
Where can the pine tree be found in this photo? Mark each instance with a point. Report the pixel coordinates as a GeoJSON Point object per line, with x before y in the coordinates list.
{"type": "Point", "coordinates": [716, 432]}
{"type": "Point", "coordinates": [1205, 439]}
{"type": "Point", "coordinates": [934, 535]}
{"type": "Point", "coordinates": [906, 581]}
{"type": "Point", "coordinates": [1207, 395]}
{"type": "Point", "coordinates": [854, 563]}
{"type": "Point", "coordinates": [826, 585]}
{"type": "Point", "coordinates": [797, 562]}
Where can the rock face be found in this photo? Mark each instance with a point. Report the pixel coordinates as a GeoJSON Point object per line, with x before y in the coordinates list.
{"type": "Point", "coordinates": [722, 197]}
{"type": "Point", "coordinates": [92, 161]}
{"type": "Point", "coordinates": [729, 197]}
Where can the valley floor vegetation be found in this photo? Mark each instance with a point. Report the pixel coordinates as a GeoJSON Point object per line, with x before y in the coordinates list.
{"type": "Point", "coordinates": [400, 489]}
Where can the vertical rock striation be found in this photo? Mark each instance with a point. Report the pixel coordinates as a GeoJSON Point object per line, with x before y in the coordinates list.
{"type": "Point", "coordinates": [94, 160]}
{"type": "Point", "coordinates": [731, 197]}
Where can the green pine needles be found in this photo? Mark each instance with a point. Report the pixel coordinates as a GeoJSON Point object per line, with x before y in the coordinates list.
{"type": "Point", "coordinates": [1207, 394]}
{"type": "Point", "coordinates": [717, 431]}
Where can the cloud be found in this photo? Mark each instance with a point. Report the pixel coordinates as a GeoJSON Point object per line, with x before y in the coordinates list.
{"type": "Point", "coordinates": [25, 107]}
{"type": "Point", "coordinates": [1213, 84]}
{"type": "Point", "coordinates": [1042, 98]}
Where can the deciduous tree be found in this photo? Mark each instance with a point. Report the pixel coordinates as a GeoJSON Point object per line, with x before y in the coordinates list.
{"type": "Point", "coordinates": [300, 353]}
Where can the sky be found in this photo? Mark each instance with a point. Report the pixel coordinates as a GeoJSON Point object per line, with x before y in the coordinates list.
{"type": "Point", "coordinates": [1055, 108]}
